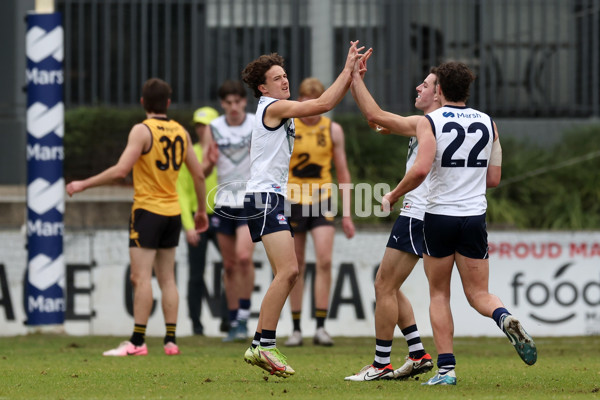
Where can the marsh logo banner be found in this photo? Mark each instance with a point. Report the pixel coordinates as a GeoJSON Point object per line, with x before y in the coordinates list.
{"type": "Point", "coordinates": [45, 283]}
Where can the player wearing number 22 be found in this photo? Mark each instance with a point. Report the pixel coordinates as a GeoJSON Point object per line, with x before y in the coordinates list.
{"type": "Point", "coordinates": [156, 149]}
{"type": "Point", "coordinates": [461, 147]}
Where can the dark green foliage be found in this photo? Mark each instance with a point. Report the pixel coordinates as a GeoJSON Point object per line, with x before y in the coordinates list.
{"type": "Point", "coordinates": [95, 137]}
{"type": "Point", "coordinates": [550, 188]}
{"type": "Point", "coordinates": [373, 157]}
{"type": "Point", "coordinates": [555, 187]}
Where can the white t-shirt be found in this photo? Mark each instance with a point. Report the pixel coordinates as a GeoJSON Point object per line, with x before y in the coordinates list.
{"type": "Point", "coordinates": [464, 139]}
{"type": "Point", "coordinates": [415, 201]}
{"type": "Point", "coordinates": [233, 166]}
{"type": "Point", "coordinates": [270, 152]}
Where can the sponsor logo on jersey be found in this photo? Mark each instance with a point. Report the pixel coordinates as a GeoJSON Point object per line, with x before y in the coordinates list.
{"type": "Point", "coordinates": [469, 116]}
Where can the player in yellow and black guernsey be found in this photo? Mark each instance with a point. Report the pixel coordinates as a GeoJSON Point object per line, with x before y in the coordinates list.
{"type": "Point", "coordinates": [156, 149]}
{"type": "Point", "coordinates": [319, 141]}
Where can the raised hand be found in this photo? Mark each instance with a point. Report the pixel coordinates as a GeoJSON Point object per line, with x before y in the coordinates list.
{"type": "Point", "coordinates": [362, 63]}
{"type": "Point", "coordinates": [353, 55]}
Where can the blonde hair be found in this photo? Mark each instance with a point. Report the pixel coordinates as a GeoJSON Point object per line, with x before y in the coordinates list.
{"type": "Point", "coordinates": [311, 88]}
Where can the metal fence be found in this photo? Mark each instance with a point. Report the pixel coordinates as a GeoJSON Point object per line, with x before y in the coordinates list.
{"type": "Point", "coordinates": [533, 58]}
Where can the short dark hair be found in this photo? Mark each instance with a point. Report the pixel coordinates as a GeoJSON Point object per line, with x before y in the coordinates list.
{"type": "Point", "coordinates": [232, 87]}
{"type": "Point", "coordinates": [156, 94]}
{"type": "Point", "coordinates": [455, 78]}
{"type": "Point", "coordinates": [254, 73]}
{"type": "Point", "coordinates": [433, 70]}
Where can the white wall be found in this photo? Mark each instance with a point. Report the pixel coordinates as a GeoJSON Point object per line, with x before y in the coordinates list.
{"type": "Point", "coordinates": [551, 281]}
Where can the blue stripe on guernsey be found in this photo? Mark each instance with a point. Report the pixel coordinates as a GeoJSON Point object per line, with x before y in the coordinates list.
{"type": "Point", "coordinates": [262, 119]}
{"type": "Point", "coordinates": [431, 123]}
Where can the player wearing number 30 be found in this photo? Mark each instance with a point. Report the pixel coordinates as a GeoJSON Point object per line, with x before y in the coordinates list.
{"type": "Point", "coordinates": [156, 149]}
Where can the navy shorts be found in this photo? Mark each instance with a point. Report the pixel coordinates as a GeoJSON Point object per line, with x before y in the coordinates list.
{"type": "Point", "coordinates": [444, 235]}
{"type": "Point", "coordinates": [303, 217]}
{"type": "Point", "coordinates": [266, 214]}
{"type": "Point", "coordinates": [227, 219]}
{"type": "Point", "coordinates": [153, 231]}
{"type": "Point", "coordinates": [407, 235]}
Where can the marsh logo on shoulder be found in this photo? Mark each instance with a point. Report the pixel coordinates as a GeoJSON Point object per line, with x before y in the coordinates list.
{"type": "Point", "coordinates": [448, 114]}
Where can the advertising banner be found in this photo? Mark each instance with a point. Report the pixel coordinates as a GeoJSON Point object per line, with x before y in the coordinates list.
{"type": "Point", "coordinates": [550, 281]}
{"type": "Point", "coordinates": [44, 286]}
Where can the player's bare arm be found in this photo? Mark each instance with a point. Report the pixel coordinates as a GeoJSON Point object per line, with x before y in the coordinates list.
{"type": "Point", "coordinates": [195, 168]}
{"type": "Point", "coordinates": [389, 122]}
{"type": "Point", "coordinates": [494, 171]}
{"type": "Point", "coordinates": [421, 167]}
{"type": "Point", "coordinates": [210, 153]}
{"type": "Point", "coordinates": [139, 140]}
{"type": "Point", "coordinates": [405, 126]}
{"type": "Point", "coordinates": [326, 102]}
{"type": "Point", "coordinates": [343, 177]}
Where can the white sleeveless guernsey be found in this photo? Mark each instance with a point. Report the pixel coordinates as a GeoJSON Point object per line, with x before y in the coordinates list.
{"type": "Point", "coordinates": [233, 166]}
{"type": "Point", "coordinates": [270, 152]}
{"type": "Point", "coordinates": [464, 139]}
{"type": "Point", "coordinates": [415, 201]}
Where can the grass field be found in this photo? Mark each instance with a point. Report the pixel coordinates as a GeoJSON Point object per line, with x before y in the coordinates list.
{"type": "Point", "coordinates": [67, 367]}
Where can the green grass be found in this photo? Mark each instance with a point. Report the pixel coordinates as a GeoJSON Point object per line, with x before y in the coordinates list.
{"type": "Point", "coordinates": [63, 367]}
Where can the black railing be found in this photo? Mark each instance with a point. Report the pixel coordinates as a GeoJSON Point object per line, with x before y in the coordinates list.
{"type": "Point", "coordinates": [533, 58]}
